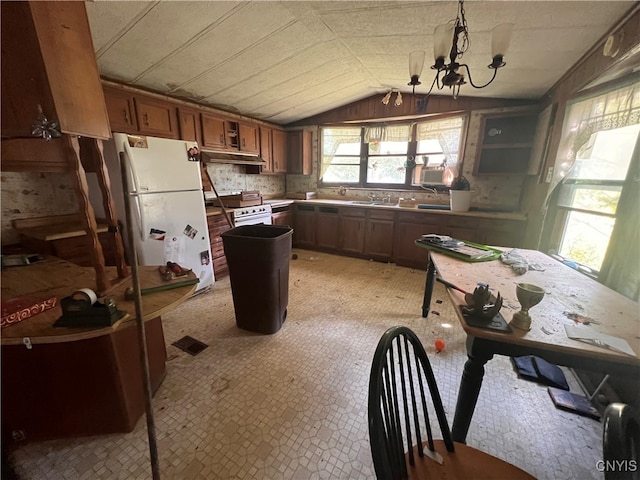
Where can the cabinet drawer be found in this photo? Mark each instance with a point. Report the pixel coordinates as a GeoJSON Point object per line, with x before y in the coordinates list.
{"type": "Point", "coordinates": [462, 222]}
{"type": "Point", "coordinates": [381, 214]}
{"type": "Point", "coordinates": [411, 217]}
{"type": "Point", "coordinates": [353, 212]}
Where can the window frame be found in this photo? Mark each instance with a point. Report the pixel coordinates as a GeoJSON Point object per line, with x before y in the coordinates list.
{"type": "Point", "coordinates": [410, 156]}
{"type": "Point", "coordinates": [560, 214]}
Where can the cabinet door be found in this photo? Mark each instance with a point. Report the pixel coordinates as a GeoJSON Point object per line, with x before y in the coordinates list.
{"type": "Point", "coordinates": [189, 125]}
{"type": "Point", "coordinates": [279, 150]}
{"type": "Point", "coordinates": [48, 60]}
{"type": "Point", "coordinates": [503, 233]}
{"type": "Point", "coordinates": [121, 110]}
{"type": "Point", "coordinates": [299, 152]}
{"type": "Point", "coordinates": [156, 117]}
{"type": "Point", "coordinates": [352, 234]}
{"type": "Point", "coordinates": [462, 228]}
{"type": "Point", "coordinates": [282, 218]}
{"type": "Point", "coordinates": [379, 238]}
{"type": "Point", "coordinates": [213, 131]}
{"type": "Point", "coordinates": [266, 149]}
{"type": "Point", "coordinates": [248, 138]}
{"type": "Point", "coordinates": [305, 225]}
{"type": "Point", "coordinates": [327, 224]}
{"type": "Point", "coordinates": [405, 252]}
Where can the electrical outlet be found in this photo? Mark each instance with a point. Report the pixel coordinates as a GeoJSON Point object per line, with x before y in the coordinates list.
{"type": "Point", "coordinates": [549, 175]}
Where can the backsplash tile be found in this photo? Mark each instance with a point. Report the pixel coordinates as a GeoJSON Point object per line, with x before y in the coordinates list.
{"type": "Point", "coordinates": [229, 178]}
{"type": "Point", "coordinates": [31, 194]}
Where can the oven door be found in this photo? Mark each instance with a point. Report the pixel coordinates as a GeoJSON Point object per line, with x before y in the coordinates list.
{"type": "Point", "coordinates": [253, 220]}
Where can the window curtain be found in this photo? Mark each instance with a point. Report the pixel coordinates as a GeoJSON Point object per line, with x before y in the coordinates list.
{"type": "Point", "coordinates": [386, 133]}
{"type": "Point", "coordinates": [615, 109]}
{"type": "Point", "coordinates": [585, 117]}
{"type": "Point", "coordinates": [621, 265]}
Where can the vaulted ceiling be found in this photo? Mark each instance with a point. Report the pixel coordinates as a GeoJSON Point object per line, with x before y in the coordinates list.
{"type": "Point", "coordinates": [282, 61]}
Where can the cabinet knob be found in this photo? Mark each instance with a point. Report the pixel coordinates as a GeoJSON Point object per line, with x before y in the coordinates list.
{"type": "Point", "coordinates": [126, 116]}
{"type": "Point", "coordinates": [243, 143]}
{"type": "Point", "coordinates": [146, 119]}
{"type": "Point", "coordinates": [221, 138]}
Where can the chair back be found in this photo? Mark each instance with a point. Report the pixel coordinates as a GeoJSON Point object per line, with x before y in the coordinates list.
{"type": "Point", "coordinates": [402, 393]}
{"type": "Point", "coordinates": [620, 443]}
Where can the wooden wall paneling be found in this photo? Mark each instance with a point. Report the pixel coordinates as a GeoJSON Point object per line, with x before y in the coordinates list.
{"type": "Point", "coordinates": [35, 155]}
{"type": "Point", "coordinates": [372, 107]}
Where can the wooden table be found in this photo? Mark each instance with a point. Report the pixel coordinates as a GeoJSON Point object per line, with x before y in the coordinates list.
{"type": "Point", "coordinates": [78, 381]}
{"type": "Point", "coordinates": [566, 290]}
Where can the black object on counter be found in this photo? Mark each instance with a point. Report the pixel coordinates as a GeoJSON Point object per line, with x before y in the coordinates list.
{"type": "Point", "coordinates": [258, 260]}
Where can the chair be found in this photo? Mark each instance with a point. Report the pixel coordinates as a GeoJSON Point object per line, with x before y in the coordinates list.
{"type": "Point", "coordinates": [401, 386]}
{"type": "Point", "coordinates": [620, 443]}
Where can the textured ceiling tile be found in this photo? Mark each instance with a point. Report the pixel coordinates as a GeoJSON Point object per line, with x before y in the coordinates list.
{"type": "Point", "coordinates": [177, 24]}
{"type": "Point", "coordinates": [109, 20]}
{"type": "Point", "coordinates": [284, 58]}
{"type": "Point", "coordinates": [251, 25]}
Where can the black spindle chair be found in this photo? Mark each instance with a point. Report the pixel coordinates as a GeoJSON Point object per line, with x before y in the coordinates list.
{"type": "Point", "coordinates": [620, 443]}
{"type": "Point", "coordinates": [402, 394]}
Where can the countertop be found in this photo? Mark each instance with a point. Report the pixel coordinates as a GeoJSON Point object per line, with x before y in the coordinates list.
{"type": "Point", "coordinates": [350, 203]}
{"type": "Point", "coordinates": [53, 276]}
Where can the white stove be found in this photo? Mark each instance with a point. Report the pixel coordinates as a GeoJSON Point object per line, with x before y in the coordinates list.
{"type": "Point", "coordinates": [251, 215]}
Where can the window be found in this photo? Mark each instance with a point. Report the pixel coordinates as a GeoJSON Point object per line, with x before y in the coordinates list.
{"type": "Point", "coordinates": [392, 156]}
{"type": "Point", "coordinates": [599, 139]}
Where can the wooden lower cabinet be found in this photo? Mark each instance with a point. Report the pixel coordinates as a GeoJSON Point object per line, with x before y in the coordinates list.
{"type": "Point", "coordinates": [379, 229]}
{"type": "Point", "coordinates": [80, 387]}
{"type": "Point", "coordinates": [409, 227]}
{"type": "Point", "coordinates": [284, 218]}
{"type": "Point", "coordinates": [327, 228]}
{"type": "Point", "coordinates": [389, 236]}
{"type": "Point", "coordinates": [218, 225]}
{"type": "Point", "coordinates": [352, 230]}
{"type": "Point", "coordinates": [304, 226]}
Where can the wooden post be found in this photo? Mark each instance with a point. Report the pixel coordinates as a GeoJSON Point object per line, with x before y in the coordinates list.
{"type": "Point", "coordinates": [109, 208]}
{"type": "Point", "coordinates": [87, 215]}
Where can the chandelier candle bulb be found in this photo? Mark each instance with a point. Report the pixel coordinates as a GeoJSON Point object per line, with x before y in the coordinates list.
{"type": "Point", "coordinates": [500, 40]}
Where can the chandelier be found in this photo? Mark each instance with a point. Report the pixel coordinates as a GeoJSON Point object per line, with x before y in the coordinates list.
{"type": "Point", "coordinates": [452, 39]}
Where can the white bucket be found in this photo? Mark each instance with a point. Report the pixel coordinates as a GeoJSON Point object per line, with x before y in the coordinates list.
{"type": "Point", "coordinates": [460, 200]}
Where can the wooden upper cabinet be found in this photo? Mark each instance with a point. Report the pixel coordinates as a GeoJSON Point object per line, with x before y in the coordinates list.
{"type": "Point", "coordinates": [189, 121]}
{"type": "Point", "coordinates": [121, 110]}
{"type": "Point", "coordinates": [248, 135]}
{"type": "Point", "coordinates": [156, 117]}
{"type": "Point", "coordinates": [506, 144]}
{"type": "Point", "coordinates": [299, 152]}
{"type": "Point", "coordinates": [266, 148]}
{"type": "Point", "coordinates": [213, 131]}
{"type": "Point", "coordinates": [48, 60]}
{"type": "Point", "coordinates": [279, 151]}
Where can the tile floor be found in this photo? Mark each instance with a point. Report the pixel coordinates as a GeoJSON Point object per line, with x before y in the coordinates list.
{"type": "Point", "coordinates": [292, 405]}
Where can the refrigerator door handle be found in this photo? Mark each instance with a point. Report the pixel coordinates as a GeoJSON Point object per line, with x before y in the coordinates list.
{"type": "Point", "coordinates": [132, 171]}
{"type": "Point", "coordinates": [143, 227]}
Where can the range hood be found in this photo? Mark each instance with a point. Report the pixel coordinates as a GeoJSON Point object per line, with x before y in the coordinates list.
{"type": "Point", "coordinates": [236, 158]}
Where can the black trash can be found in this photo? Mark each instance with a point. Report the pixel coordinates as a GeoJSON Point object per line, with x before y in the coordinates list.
{"type": "Point", "coordinates": [258, 260]}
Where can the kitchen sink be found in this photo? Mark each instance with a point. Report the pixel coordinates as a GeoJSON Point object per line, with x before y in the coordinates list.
{"type": "Point", "coordinates": [368, 202]}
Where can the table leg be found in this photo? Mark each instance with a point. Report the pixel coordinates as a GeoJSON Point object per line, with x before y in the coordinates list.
{"type": "Point", "coordinates": [469, 390]}
{"type": "Point", "coordinates": [428, 287]}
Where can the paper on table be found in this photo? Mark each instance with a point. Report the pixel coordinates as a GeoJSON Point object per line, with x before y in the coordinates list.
{"type": "Point", "coordinates": [598, 339]}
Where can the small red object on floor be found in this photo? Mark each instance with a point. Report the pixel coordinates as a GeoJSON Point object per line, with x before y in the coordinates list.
{"type": "Point", "coordinates": [439, 344]}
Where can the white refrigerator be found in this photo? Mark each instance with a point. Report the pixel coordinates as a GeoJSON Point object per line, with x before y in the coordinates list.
{"type": "Point", "coordinates": [168, 215]}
